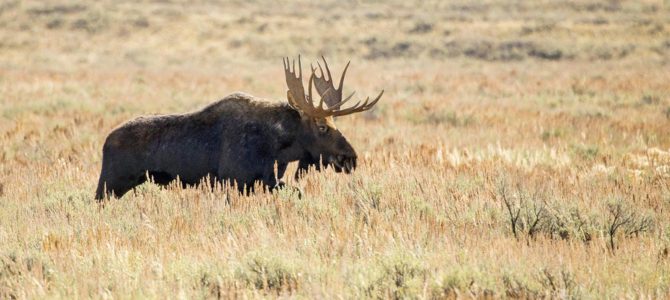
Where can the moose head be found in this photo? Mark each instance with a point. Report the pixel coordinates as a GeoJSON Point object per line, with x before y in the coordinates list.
{"type": "Point", "coordinates": [322, 138]}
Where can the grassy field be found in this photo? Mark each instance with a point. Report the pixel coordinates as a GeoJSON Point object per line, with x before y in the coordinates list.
{"type": "Point", "coordinates": [520, 150]}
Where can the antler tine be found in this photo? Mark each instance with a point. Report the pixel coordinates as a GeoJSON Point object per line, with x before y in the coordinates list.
{"type": "Point", "coordinates": [359, 108]}
{"type": "Point", "coordinates": [325, 63]}
{"type": "Point", "coordinates": [323, 96]}
{"type": "Point", "coordinates": [338, 105]}
{"type": "Point", "coordinates": [323, 75]}
{"type": "Point", "coordinates": [368, 106]}
{"type": "Point", "coordinates": [347, 99]}
{"type": "Point", "coordinates": [311, 81]}
{"type": "Point", "coordinates": [300, 68]}
{"type": "Point", "coordinates": [344, 73]}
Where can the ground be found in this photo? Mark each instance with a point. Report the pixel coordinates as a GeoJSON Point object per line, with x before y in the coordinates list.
{"type": "Point", "coordinates": [520, 150]}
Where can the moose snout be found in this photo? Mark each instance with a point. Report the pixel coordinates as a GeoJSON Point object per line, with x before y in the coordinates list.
{"type": "Point", "coordinates": [343, 162]}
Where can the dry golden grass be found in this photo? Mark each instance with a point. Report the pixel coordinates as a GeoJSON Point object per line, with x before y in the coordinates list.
{"type": "Point", "coordinates": [495, 114]}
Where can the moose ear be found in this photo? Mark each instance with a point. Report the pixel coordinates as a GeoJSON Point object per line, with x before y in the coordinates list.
{"type": "Point", "coordinates": [291, 102]}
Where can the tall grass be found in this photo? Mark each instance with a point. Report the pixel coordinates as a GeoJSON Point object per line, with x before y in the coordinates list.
{"type": "Point", "coordinates": [492, 167]}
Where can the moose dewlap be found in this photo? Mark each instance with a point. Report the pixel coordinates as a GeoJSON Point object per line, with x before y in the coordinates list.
{"type": "Point", "coordinates": [236, 140]}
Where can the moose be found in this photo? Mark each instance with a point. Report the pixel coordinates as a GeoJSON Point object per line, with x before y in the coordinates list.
{"type": "Point", "coordinates": [237, 140]}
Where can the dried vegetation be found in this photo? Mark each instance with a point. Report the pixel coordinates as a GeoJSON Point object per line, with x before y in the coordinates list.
{"type": "Point", "coordinates": [521, 149]}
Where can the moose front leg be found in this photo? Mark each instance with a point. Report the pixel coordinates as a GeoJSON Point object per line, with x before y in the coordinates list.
{"type": "Point", "coordinates": [272, 180]}
{"type": "Point", "coordinates": [281, 169]}
{"type": "Point", "coordinates": [308, 161]}
{"type": "Point", "coordinates": [274, 183]}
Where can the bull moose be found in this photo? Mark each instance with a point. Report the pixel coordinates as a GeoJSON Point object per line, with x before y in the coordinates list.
{"type": "Point", "coordinates": [237, 140]}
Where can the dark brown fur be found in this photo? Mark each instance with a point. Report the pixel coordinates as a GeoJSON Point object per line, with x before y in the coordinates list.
{"type": "Point", "coordinates": [237, 139]}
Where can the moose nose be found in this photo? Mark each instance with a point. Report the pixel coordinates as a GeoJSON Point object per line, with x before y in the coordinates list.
{"type": "Point", "coordinates": [347, 163]}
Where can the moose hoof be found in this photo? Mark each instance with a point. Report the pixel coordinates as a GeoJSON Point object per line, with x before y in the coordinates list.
{"type": "Point", "coordinates": [298, 191]}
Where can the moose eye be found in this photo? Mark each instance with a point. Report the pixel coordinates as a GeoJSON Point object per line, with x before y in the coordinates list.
{"type": "Point", "coordinates": [323, 128]}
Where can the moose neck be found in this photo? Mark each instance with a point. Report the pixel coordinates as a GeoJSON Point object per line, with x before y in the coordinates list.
{"type": "Point", "coordinates": [294, 146]}
{"type": "Point", "coordinates": [291, 152]}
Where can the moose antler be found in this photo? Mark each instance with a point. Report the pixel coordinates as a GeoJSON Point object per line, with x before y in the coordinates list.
{"type": "Point", "coordinates": [325, 88]}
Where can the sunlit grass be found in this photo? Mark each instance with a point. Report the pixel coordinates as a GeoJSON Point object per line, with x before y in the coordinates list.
{"type": "Point", "coordinates": [492, 166]}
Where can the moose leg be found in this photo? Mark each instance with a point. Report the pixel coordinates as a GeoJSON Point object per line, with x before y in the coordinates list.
{"type": "Point", "coordinates": [117, 179]}
{"type": "Point", "coordinates": [278, 184]}
{"type": "Point", "coordinates": [272, 180]}
{"type": "Point", "coordinates": [121, 172]}
{"type": "Point", "coordinates": [308, 161]}
{"type": "Point", "coordinates": [116, 186]}
{"type": "Point", "coordinates": [101, 191]}
{"type": "Point", "coordinates": [281, 169]}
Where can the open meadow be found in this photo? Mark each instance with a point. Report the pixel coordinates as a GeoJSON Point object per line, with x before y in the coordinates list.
{"type": "Point", "coordinates": [521, 149]}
